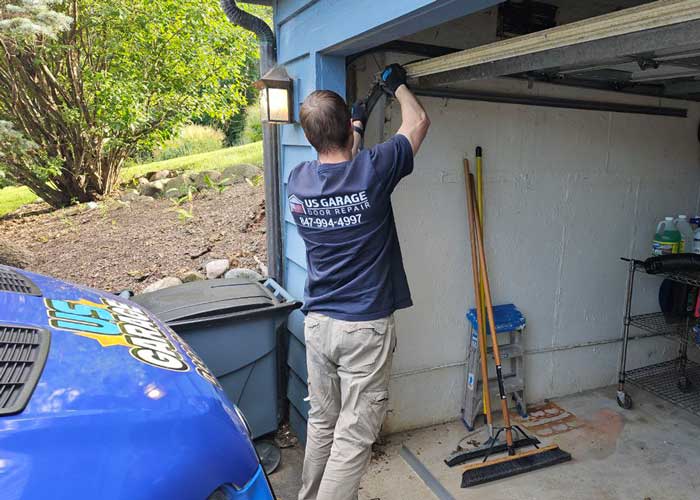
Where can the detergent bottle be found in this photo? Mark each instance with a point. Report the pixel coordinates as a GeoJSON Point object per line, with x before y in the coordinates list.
{"type": "Point", "coordinates": [687, 234]}
{"type": "Point", "coordinates": [667, 239]}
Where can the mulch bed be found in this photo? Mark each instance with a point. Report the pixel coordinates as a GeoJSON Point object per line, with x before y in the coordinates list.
{"type": "Point", "coordinates": [119, 246]}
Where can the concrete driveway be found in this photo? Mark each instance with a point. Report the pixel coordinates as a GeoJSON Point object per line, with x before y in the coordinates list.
{"type": "Point", "coordinates": [651, 452]}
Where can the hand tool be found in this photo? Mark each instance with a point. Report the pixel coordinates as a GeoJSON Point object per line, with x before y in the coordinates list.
{"type": "Point", "coordinates": [478, 295]}
{"type": "Point", "coordinates": [376, 91]}
{"type": "Point", "coordinates": [512, 464]}
{"type": "Point", "coordinates": [480, 214]}
{"type": "Point", "coordinates": [491, 444]}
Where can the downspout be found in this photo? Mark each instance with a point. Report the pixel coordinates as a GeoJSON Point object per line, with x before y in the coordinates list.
{"type": "Point", "coordinates": [268, 59]}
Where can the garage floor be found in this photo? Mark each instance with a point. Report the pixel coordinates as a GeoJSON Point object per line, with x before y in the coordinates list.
{"type": "Point", "coordinates": [651, 452]}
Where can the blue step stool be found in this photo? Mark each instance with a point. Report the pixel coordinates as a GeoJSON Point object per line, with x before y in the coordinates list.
{"type": "Point", "coordinates": [508, 318]}
{"type": "Point", "coordinates": [509, 321]}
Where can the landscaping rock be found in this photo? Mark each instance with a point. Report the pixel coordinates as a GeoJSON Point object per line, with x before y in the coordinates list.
{"type": "Point", "coordinates": [231, 175]}
{"type": "Point", "coordinates": [200, 179]}
{"type": "Point", "coordinates": [166, 282]}
{"type": "Point", "coordinates": [240, 272]}
{"type": "Point", "coordinates": [160, 175]}
{"type": "Point", "coordinates": [192, 276]}
{"type": "Point", "coordinates": [230, 180]}
{"type": "Point", "coordinates": [91, 205]}
{"type": "Point", "coordinates": [172, 193]}
{"type": "Point", "coordinates": [129, 195]}
{"type": "Point", "coordinates": [154, 189]}
{"type": "Point", "coordinates": [181, 182]}
{"type": "Point", "coordinates": [259, 262]}
{"type": "Point", "coordinates": [217, 268]}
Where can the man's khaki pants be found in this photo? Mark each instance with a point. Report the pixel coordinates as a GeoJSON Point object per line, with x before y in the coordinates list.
{"type": "Point", "coordinates": [349, 363]}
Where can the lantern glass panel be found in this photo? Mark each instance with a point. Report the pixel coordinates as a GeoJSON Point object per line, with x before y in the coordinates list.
{"type": "Point", "coordinates": [263, 106]}
{"type": "Point", "coordinates": [278, 102]}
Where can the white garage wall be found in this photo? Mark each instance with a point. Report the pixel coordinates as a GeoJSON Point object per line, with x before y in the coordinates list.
{"type": "Point", "coordinates": [567, 193]}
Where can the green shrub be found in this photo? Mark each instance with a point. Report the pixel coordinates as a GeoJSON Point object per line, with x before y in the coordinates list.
{"type": "Point", "coordinates": [252, 130]}
{"type": "Point", "coordinates": [192, 139]}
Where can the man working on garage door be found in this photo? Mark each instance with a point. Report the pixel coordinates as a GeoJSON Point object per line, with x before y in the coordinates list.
{"type": "Point", "coordinates": [356, 280]}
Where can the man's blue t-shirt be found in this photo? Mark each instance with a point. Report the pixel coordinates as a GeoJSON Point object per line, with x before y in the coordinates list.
{"type": "Point", "coordinates": [343, 213]}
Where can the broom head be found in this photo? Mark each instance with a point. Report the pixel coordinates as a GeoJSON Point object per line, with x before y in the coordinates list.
{"type": "Point", "coordinates": [513, 465]}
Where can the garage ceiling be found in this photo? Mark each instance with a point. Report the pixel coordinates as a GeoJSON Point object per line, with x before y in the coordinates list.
{"type": "Point", "coordinates": [652, 49]}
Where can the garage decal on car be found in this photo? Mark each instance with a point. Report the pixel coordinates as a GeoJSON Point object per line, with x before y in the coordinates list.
{"type": "Point", "coordinates": [114, 323]}
{"type": "Point", "coordinates": [198, 363]}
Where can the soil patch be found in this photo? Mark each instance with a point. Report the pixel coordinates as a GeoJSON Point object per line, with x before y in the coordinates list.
{"type": "Point", "coordinates": [118, 245]}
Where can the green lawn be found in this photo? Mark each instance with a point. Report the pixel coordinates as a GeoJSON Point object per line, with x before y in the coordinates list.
{"type": "Point", "coordinates": [214, 160]}
{"type": "Point", "coordinates": [11, 198]}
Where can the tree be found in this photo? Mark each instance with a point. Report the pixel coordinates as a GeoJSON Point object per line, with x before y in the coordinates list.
{"type": "Point", "coordinates": [84, 84]}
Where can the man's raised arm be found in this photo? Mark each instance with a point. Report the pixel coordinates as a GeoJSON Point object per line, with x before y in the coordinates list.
{"type": "Point", "coordinates": [414, 119]}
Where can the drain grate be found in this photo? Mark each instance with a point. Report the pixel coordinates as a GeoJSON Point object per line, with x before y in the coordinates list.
{"type": "Point", "coordinates": [662, 380]}
{"type": "Point", "coordinates": [23, 354]}
{"type": "Point", "coordinates": [11, 281]}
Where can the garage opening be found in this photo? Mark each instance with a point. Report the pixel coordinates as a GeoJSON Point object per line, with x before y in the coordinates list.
{"type": "Point", "coordinates": [587, 116]}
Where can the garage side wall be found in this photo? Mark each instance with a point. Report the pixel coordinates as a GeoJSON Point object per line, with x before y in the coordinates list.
{"type": "Point", "coordinates": [567, 193]}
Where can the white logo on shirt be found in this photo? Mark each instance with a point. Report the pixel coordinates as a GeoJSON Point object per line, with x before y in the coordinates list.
{"type": "Point", "coordinates": [330, 211]}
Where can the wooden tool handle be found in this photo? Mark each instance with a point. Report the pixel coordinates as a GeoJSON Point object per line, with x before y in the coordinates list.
{"type": "Point", "coordinates": [481, 330]}
{"type": "Point", "coordinates": [492, 325]}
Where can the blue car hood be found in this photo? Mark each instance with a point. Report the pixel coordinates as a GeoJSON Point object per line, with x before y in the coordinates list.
{"type": "Point", "coordinates": [122, 408]}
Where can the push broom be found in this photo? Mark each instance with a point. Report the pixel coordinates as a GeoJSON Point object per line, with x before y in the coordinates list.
{"type": "Point", "coordinates": [491, 444]}
{"type": "Point", "coordinates": [513, 464]}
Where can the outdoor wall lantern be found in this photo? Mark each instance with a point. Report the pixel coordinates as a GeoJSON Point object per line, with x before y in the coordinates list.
{"type": "Point", "coordinates": [276, 104]}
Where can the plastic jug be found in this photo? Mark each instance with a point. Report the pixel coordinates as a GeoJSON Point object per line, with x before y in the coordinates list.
{"type": "Point", "coordinates": [696, 241]}
{"type": "Point", "coordinates": [667, 239]}
{"type": "Point", "coordinates": [687, 233]}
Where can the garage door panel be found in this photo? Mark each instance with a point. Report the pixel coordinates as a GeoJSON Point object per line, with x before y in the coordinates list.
{"type": "Point", "coordinates": [642, 29]}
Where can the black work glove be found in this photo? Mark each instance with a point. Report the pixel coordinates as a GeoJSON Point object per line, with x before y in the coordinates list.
{"type": "Point", "coordinates": [393, 77]}
{"type": "Point", "coordinates": [359, 112]}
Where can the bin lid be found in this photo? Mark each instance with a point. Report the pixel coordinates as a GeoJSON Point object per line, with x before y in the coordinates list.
{"type": "Point", "coordinates": [208, 299]}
